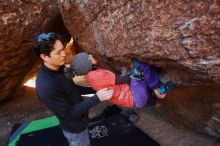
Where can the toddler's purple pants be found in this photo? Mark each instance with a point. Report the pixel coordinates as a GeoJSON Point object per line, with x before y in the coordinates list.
{"type": "Point", "coordinates": [140, 89]}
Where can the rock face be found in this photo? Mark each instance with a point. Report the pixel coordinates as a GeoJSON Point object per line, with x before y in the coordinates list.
{"type": "Point", "coordinates": [20, 20]}
{"type": "Point", "coordinates": [180, 37]}
{"type": "Point", "coordinates": [195, 107]}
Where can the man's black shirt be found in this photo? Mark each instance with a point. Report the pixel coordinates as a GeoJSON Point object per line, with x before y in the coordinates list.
{"type": "Point", "coordinates": [63, 97]}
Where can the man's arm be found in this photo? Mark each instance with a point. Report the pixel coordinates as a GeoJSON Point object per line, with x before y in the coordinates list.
{"type": "Point", "coordinates": [59, 104]}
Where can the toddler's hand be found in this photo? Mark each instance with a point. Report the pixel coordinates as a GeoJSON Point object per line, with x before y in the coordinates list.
{"type": "Point", "coordinates": [161, 96]}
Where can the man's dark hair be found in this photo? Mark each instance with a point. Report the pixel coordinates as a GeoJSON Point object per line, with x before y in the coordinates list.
{"type": "Point", "coordinates": [43, 43]}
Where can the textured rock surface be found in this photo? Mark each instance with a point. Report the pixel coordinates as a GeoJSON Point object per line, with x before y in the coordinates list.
{"type": "Point", "coordinates": [19, 21]}
{"type": "Point", "coordinates": [181, 38]}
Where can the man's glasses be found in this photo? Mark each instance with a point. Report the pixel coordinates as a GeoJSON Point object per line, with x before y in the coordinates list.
{"type": "Point", "coordinates": [46, 37]}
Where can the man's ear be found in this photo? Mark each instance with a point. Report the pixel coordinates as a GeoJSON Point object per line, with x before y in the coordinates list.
{"type": "Point", "coordinates": [43, 57]}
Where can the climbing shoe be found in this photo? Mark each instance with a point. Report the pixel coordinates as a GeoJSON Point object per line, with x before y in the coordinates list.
{"type": "Point", "coordinates": [164, 88]}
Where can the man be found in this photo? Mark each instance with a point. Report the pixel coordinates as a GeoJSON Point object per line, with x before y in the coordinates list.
{"type": "Point", "coordinates": [60, 94]}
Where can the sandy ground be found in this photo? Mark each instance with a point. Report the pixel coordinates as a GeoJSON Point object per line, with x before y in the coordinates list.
{"type": "Point", "coordinates": [25, 107]}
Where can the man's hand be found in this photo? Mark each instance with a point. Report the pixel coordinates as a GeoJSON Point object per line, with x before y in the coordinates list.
{"type": "Point", "coordinates": [104, 94]}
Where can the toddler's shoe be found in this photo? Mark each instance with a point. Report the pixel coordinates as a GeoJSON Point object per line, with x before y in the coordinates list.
{"type": "Point", "coordinates": [164, 88]}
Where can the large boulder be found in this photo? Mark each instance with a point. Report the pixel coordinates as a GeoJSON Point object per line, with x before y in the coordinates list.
{"type": "Point", "coordinates": [20, 21]}
{"type": "Point", "coordinates": [181, 38]}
